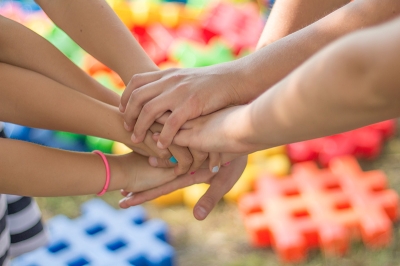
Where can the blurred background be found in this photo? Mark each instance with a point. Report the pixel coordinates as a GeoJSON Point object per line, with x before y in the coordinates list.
{"type": "Point", "coordinates": [196, 33]}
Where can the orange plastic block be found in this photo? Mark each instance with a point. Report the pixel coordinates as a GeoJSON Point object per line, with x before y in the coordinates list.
{"type": "Point", "coordinates": [320, 208]}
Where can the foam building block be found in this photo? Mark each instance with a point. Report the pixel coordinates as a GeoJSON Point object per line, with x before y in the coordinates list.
{"type": "Point", "coordinates": [104, 236]}
{"type": "Point", "coordinates": [325, 208]}
{"type": "Point", "coordinates": [271, 161]}
{"type": "Point", "coordinates": [365, 143]}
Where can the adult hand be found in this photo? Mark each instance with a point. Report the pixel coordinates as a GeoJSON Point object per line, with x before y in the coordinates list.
{"type": "Point", "coordinates": [220, 184]}
{"type": "Point", "coordinates": [198, 157]}
{"type": "Point", "coordinates": [187, 93]}
{"type": "Point", "coordinates": [226, 131]}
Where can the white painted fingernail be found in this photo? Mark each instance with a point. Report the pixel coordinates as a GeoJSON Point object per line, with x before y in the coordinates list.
{"type": "Point", "coordinates": [215, 169]}
{"type": "Point", "coordinates": [129, 195]}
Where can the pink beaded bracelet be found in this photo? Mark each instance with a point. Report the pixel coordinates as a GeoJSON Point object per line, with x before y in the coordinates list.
{"type": "Point", "coordinates": [104, 190]}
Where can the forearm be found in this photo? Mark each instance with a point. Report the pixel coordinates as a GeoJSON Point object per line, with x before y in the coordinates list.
{"type": "Point", "coordinates": [53, 172]}
{"type": "Point", "coordinates": [26, 49]}
{"type": "Point", "coordinates": [281, 57]}
{"type": "Point", "coordinates": [288, 16]}
{"type": "Point", "coordinates": [352, 83]}
{"type": "Point", "coordinates": [98, 30]}
{"type": "Point", "coordinates": [30, 99]}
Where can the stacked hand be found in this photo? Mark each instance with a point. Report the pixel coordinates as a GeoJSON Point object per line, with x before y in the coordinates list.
{"type": "Point", "coordinates": [162, 103]}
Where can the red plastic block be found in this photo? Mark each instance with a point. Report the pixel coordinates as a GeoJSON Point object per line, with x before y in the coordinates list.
{"type": "Point", "coordinates": [320, 208]}
{"type": "Point", "coordinates": [363, 143]}
{"type": "Point", "coordinates": [240, 27]}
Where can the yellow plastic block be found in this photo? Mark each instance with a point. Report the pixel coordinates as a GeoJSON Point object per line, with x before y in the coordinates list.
{"type": "Point", "coordinates": [193, 193]}
{"type": "Point", "coordinates": [278, 165]}
{"type": "Point", "coordinates": [245, 182]}
{"type": "Point", "coordinates": [260, 156]}
{"type": "Point", "coordinates": [170, 14]}
{"type": "Point", "coordinates": [172, 198]}
{"type": "Point", "coordinates": [123, 10]}
{"type": "Point", "coordinates": [119, 148]}
{"type": "Point", "coordinates": [140, 13]}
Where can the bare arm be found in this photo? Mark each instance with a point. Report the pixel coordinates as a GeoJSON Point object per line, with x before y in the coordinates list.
{"type": "Point", "coordinates": [205, 90]}
{"type": "Point", "coordinates": [288, 16]}
{"type": "Point", "coordinates": [97, 29]}
{"type": "Point", "coordinates": [31, 99]}
{"type": "Point", "coordinates": [33, 170]}
{"type": "Point", "coordinates": [26, 49]}
{"type": "Point", "coordinates": [351, 83]}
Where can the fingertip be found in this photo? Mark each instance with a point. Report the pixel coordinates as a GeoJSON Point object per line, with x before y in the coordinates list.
{"type": "Point", "coordinates": [153, 161]}
{"type": "Point", "coordinates": [160, 145]}
{"type": "Point", "coordinates": [215, 169]}
{"type": "Point", "coordinates": [136, 139]}
{"type": "Point", "coordinates": [200, 213]}
{"type": "Point", "coordinates": [121, 108]}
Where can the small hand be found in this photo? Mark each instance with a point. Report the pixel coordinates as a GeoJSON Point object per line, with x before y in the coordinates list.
{"type": "Point", "coordinates": [188, 93]}
{"type": "Point", "coordinates": [220, 184]}
{"type": "Point", "coordinates": [140, 175]}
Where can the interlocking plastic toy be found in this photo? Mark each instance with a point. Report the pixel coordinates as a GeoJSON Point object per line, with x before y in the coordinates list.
{"type": "Point", "coordinates": [103, 236]}
{"type": "Point", "coordinates": [320, 208]}
{"type": "Point", "coordinates": [363, 143]}
{"type": "Point", "coordinates": [272, 161]}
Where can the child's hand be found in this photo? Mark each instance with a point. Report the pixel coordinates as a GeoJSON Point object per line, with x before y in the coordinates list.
{"type": "Point", "coordinates": [220, 184]}
{"type": "Point", "coordinates": [139, 175]}
{"type": "Point", "coordinates": [188, 93]}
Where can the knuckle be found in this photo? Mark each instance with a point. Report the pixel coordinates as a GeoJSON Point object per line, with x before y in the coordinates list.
{"type": "Point", "coordinates": [201, 157]}
{"type": "Point", "coordinates": [147, 108]}
{"type": "Point", "coordinates": [164, 154]}
{"type": "Point", "coordinates": [174, 121]}
{"type": "Point", "coordinates": [135, 80]}
{"type": "Point", "coordinates": [208, 202]}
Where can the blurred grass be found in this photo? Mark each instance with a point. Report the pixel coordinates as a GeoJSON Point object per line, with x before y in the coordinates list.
{"type": "Point", "coordinates": [221, 240]}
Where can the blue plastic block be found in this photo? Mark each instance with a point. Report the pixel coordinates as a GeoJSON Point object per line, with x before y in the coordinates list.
{"type": "Point", "coordinates": [104, 236]}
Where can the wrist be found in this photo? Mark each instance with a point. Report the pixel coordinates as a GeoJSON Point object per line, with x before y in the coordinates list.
{"type": "Point", "coordinates": [248, 135]}
{"type": "Point", "coordinates": [247, 83]}
{"type": "Point", "coordinates": [118, 175]}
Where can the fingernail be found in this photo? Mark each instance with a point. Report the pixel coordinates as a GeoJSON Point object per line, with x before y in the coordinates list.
{"type": "Point", "coordinates": [121, 109]}
{"type": "Point", "coordinates": [227, 163]}
{"type": "Point", "coordinates": [123, 200]}
{"type": "Point", "coordinates": [133, 137]}
{"type": "Point", "coordinates": [192, 173]}
{"type": "Point", "coordinates": [159, 145]}
{"type": "Point", "coordinates": [215, 169]}
{"type": "Point", "coordinates": [201, 213]}
{"type": "Point", "coordinates": [173, 160]}
{"type": "Point", "coordinates": [130, 195]}
{"type": "Point", "coordinates": [153, 161]}
{"type": "Point", "coordinates": [126, 126]}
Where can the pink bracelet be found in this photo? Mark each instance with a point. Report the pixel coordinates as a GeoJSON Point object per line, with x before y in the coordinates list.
{"type": "Point", "coordinates": [104, 190]}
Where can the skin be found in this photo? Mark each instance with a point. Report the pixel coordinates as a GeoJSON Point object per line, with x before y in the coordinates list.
{"type": "Point", "coordinates": [37, 96]}
{"type": "Point", "coordinates": [92, 22]}
{"type": "Point", "coordinates": [353, 82]}
{"type": "Point", "coordinates": [288, 16]}
{"type": "Point", "coordinates": [205, 90]}
{"type": "Point", "coordinates": [49, 173]}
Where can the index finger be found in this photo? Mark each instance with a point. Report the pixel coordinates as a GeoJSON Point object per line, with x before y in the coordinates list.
{"type": "Point", "coordinates": [137, 81]}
